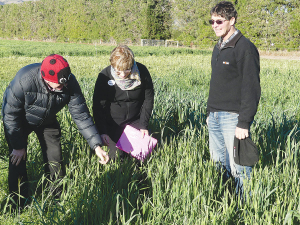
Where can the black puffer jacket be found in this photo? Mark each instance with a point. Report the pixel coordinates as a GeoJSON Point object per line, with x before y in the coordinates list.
{"type": "Point", "coordinates": [114, 108]}
{"type": "Point", "coordinates": [28, 101]}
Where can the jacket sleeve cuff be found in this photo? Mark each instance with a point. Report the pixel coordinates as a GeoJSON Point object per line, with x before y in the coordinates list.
{"type": "Point", "coordinates": [96, 145]}
{"type": "Point", "coordinates": [243, 125]}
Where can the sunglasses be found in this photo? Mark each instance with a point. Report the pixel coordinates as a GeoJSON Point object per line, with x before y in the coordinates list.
{"type": "Point", "coordinates": [219, 22]}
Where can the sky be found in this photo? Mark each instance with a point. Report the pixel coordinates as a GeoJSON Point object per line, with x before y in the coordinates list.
{"type": "Point", "coordinates": [4, 2]}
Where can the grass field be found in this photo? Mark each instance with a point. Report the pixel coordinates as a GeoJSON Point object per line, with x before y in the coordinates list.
{"type": "Point", "coordinates": [178, 184]}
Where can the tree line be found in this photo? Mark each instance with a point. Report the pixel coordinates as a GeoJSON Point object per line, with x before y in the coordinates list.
{"type": "Point", "coordinates": [268, 23]}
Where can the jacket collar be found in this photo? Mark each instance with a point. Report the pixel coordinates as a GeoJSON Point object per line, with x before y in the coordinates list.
{"type": "Point", "coordinates": [232, 42]}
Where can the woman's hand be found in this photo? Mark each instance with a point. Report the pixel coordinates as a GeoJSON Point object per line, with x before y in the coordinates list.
{"type": "Point", "coordinates": [144, 132]}
{"type": "Point", "coordinates": [105, 139]}
{"type": "Point", "coordinates": [102, 155]}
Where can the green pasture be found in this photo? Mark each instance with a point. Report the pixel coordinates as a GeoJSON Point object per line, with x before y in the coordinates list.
{"type": "Point", "coordinates": [178, 184]}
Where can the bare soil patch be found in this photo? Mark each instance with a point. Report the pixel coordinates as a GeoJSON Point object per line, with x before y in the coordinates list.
{"type": "Point", "coordinates": [280, 55]}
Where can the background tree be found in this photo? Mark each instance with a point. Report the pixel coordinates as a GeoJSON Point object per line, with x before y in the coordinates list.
{"type": "Point", "coordinates": [191, 22]}
{"type": "Point", "coordinates": [268, 23]}
{"type": "Point", "coordinates": [128, 20]}
{"type": "Point", "coordinates": [294, 26]}
{"type": "Point", "coordinates": [158, 19]}
{"type": "Point", "coordinates": [263, 21]}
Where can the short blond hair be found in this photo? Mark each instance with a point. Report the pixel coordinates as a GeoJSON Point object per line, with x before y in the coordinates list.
{"type": "Point", "coordinates": [121, 58]}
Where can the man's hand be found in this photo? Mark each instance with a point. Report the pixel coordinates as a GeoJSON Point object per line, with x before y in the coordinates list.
{"type": "Point", "coordinates": [102, 155]}
{"type": "Point", "coordinates": [105, 139]}
{"type": "Point", "coordinates": [241, 133]}
{"type": "Point", "coordinates": [207, 120]}
{"type": "Point", "coordinates": [144, 132]}
{"type": "Point", "coordinates": [17, 155]}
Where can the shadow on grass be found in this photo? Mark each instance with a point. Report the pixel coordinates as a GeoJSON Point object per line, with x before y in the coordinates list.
{"type": "Point", "coordinates": [276, 139]}
{"type": "Point", "coordinates": [117, 196]}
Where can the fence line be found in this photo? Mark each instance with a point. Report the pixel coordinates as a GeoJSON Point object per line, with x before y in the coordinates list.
{"type": "Point", "coordinates": [150, 42]}
{"type": "Point", "coordinates": [166, 43]}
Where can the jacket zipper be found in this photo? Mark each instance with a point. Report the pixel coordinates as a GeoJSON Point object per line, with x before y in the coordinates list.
{"type": "Point", "coordinates": [220, 52]}
{"type": "Point", "coordinates": [127, 103]}
{"type": "Point", "coordinates": [50, 96]}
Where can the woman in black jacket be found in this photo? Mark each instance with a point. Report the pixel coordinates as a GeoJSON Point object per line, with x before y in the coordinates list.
{"type": "Point", "coordinates": [123, 96]}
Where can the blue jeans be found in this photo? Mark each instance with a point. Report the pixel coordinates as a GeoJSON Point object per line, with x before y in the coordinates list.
{"type": "Point", "coordinates": [221, 127]}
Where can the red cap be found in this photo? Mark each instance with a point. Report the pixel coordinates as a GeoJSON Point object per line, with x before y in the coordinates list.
{"type": "Point", "coordinates": [55, 69]}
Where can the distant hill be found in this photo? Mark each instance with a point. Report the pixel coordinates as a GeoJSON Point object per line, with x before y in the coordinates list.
{"type": "Point", "coordinates": [4, 2]}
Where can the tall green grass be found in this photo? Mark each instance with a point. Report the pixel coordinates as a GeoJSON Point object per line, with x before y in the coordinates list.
{"type": "Point", "coordinates": [178, 184]}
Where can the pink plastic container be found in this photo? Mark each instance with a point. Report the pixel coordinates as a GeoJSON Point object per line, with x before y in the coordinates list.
{"type": "Point", "coordinates": [131, 141]}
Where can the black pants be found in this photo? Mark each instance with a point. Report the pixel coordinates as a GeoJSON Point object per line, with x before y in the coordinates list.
{"type": "Point", "coordinates": [114, 151]}
{"type": "Point", "coordinates": [114, 132]}
{"type": "Point", "coordinates": [49, 138]}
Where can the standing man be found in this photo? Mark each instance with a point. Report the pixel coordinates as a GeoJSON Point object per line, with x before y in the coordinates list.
{"type": "Point", "coordinates": [30, 104]}
{"type": "Point", "coordinates": [234, 92]}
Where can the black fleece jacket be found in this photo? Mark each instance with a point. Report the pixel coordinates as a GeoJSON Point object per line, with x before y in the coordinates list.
{"type": "Point", "coordinates": [28, 101]}
{"type": "Point", "coordinates": [114, 108]}
{"type": "Point", "coordinates": [235, 82]}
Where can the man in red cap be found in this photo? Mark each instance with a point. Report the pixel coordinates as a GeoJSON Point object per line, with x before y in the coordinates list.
{"type": "Point", "coordinates": [30, 104]}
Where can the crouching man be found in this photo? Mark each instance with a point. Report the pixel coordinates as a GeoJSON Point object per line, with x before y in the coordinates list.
{"type": "Point", "coordinates": [30, 104]}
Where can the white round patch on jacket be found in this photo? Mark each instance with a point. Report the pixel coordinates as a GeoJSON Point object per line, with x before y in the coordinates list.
{"type": "Point", "coordinates": [111, 82]}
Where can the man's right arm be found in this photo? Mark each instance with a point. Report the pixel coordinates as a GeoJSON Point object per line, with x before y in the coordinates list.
{"type": "Point", "coordinates": [14, 114]}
